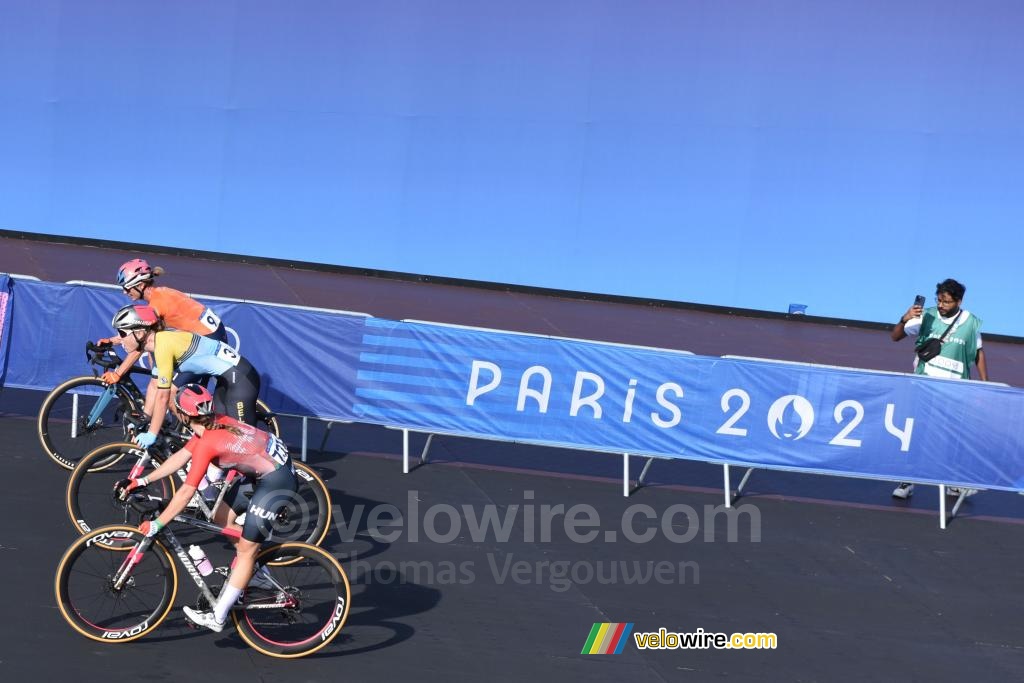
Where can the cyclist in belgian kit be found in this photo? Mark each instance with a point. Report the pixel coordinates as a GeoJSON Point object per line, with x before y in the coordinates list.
{"type": "Point", "coordinates": [227, 443]}
{"type": "Point", "coordinates": [176, 309]}
{"type": "Point", "coordinates": [238, 383]}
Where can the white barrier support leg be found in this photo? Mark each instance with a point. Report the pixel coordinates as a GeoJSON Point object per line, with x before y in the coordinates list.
{"type": "Point", "coordinates": [942, 506]}
{"type": "Point", "coordinates": [743, 482]}
{"type": "Point", "coordinates": [643, 474]}
{"type": "Point", "coordinates": [327, 433]}
{"type": "Point", "coordinates": [959, 501]}
{"type": "Point", "coordinates": [728, 487]}
{"type": "Point", "coordinates": [305, 433]}
{"type": "Point", "coordinates": [746, 477]}
{"type": "Point", "coordinates": [426, 448]}
{"type": "Point", "coordinates": [74, 415]}
{"type": "Point", "coordinates": [405, 451]}
{"type": "Point", "coordinates": [625, 475]}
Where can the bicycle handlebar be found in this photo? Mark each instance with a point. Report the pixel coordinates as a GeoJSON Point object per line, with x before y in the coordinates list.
{"type": "Point", "coordinates": [103, 355]}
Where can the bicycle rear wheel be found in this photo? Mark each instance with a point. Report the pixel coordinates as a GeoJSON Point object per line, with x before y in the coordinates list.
{"type": "Point", "coordinates": [306, 517]}
{"type": "Point", "coordinates": [90, 498]}
{"type": "Point", "coordinates": [303, 617]}
{"type": "Point", "coordinates": [79, 415]}
{"type": "Point", "coordinates": [91, 604]}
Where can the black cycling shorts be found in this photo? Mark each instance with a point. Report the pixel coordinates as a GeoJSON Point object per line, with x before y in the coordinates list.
{"type": "Point", "coordinates": [236, 392]}
{"type": "Point", "coordinates": [272, 491]}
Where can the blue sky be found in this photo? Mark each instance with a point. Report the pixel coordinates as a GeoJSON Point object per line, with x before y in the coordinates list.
{"type": "Point", "coordinates": [842, 155]}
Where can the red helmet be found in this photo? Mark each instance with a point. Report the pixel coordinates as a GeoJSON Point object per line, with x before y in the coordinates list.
{"type": "Point", "coordinates": [135, 317]}
{"type": "Point", "coordinates": [133, 272]}
{"type": "Point", "coordinates": [194, 400]}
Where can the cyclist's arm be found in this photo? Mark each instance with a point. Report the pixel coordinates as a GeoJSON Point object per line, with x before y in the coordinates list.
{"type": "Point", "coordinates": [181, 498]}
{"type": "Point", "coordinates": [150, 397]}
{"type": "Point", "coordinates": [169, 466]}
{"type": "Point", "coordinates": [158, 396]}
{"type": "Point", "coordinates": [127, 363]}
{"type": "Point", "coordinates": [161, 399]}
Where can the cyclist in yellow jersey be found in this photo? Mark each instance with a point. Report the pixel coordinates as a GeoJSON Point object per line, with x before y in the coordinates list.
{"type": "Point", "coordinates": [238, 383]}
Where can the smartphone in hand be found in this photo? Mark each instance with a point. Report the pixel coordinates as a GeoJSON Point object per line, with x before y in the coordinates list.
{"type": "Point", "coordinates": [919, 300]}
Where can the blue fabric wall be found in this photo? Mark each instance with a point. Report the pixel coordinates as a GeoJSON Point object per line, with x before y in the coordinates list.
{"type": "Point", "coordinates": [574, 393]}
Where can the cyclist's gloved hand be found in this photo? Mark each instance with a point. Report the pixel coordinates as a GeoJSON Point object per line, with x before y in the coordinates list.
{"type": "Point", "coordinates": [126, 486]}
{"type": "Point", "coordinates": [121, 488]}
{"type": "Point", "coordinates": [145, 439]}
{"type": "Point", "coordinates": [110, 377]}
{"type": "Point", "coordinates": [151, 528]}
{"type": "Point", "coordinates": [104, 341]}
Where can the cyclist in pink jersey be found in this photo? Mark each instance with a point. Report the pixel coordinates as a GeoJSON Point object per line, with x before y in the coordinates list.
{"type": "Point", "coordinates": [227, 443]}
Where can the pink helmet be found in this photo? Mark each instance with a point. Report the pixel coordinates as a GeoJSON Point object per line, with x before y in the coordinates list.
{"type": "Point", "coordinates": [134, 272]}
{"type": "Point", "coordinates": [194, 400]}
{"type": "Point", "coordinates": [135, 317]}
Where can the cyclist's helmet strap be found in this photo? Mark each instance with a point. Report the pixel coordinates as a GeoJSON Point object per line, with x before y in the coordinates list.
{"type": "Point", "coordinates": [194, 400]}
{"type": "Point", "coordinates": [134, 272]}
{"type": "Point", "coordinates": [135, 317]}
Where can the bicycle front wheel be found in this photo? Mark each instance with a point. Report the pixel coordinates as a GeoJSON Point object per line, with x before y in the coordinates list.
{"type": "Point", "coordinates": [79, 415]}
{"type": "Point", "coordinates": [91, 603]}
{"type": "Point", "coordinates": [305, 613]}
{"type": "Point", "coordinates": [90, 498]}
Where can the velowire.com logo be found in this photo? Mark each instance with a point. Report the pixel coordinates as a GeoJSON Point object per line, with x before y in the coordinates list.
{"type": "Point", "coordinates": [607, 639]}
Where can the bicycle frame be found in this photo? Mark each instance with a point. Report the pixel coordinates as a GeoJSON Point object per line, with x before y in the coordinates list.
{"type": "Point", "coordinates": [104, 357]}
{"type": "Point", "coordinates": [284, 599]}
{"type": "Point", "coordinates": [232, 478]}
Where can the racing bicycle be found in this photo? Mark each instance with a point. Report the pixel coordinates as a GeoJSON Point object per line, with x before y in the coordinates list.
{"type": "Point", "coordinates": [83, 412]}
{"type": "Point", "coordinates": [91, 501]}
{"type": "Point", "coordinates": [115, 585]}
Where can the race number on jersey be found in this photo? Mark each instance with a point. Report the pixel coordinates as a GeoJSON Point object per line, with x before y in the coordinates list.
{"type": "Point", "coordinates": [210, 320]}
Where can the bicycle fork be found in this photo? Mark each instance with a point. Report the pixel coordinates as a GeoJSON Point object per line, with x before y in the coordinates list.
{"type": "Point", "coordinates": [94, 415]}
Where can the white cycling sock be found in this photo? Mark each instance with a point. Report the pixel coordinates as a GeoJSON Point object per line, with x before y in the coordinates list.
{"type": "Point", "coordinates": [225, 601]}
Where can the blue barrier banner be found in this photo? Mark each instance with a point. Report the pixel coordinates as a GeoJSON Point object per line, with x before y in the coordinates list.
{"type": "Point", "coordinates": [306, 359]}
{"type": "Point", "coordinates": [50, 324]}
{"type": "Point", "coordinates": [571, 393]}
{"type": "Point", "coordinates": [5, 306]}
{"type": "Point", "coordinates": [664, 403]}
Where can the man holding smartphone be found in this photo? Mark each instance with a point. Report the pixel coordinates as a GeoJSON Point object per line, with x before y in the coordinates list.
{"type": "Point", "coordinates": [957, 335]}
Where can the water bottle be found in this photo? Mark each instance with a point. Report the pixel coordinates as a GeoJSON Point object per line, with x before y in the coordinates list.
{"type": "Point", "coordinates": [200, 559]}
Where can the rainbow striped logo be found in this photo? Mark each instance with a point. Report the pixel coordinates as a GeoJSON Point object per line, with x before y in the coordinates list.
{"type": "Point", "coordinates": [607, 639]}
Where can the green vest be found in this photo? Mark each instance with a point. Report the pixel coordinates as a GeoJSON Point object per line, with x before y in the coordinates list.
{"type": "Point", "coordinates": [959, 348]}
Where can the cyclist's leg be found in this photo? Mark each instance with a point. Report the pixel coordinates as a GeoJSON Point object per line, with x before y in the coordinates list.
{"type": "Point", "coordinates": [241, 387]}
{"type": "Point", "coordinates": [266, 499]}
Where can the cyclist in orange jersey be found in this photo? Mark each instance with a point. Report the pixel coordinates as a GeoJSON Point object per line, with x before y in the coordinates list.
{"type": "Point", "coordinates": [176, 309]}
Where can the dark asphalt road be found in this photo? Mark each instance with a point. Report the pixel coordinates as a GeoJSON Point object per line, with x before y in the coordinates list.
{"type": "Point", "coordinates": [851, 592]}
